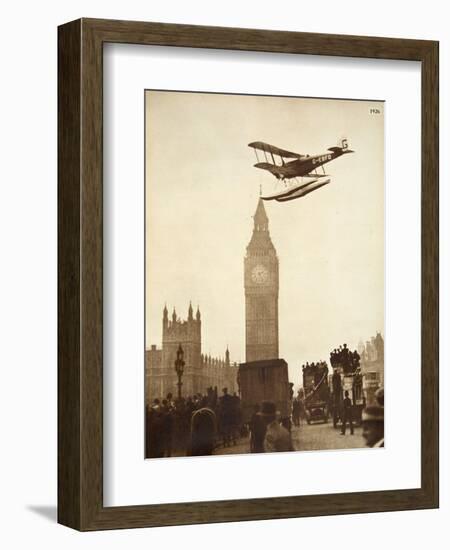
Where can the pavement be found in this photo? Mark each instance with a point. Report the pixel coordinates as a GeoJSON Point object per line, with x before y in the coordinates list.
{"type": "Point", "coordinates": [313, 437]}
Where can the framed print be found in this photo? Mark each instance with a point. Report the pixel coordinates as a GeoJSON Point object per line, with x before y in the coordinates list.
{"type": "Point", "coordinates": [248, 274]}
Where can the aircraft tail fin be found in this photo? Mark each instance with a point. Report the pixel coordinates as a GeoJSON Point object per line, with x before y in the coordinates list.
{"type": "Point", "coordinates": [343, 147]}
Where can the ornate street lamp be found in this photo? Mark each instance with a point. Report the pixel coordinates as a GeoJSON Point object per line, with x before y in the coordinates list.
{"type": "Point", "coordinates": [179, 368]}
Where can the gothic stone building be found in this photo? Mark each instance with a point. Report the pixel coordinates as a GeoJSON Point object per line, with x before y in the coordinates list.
{"type": "Point", "coordinates": [372, 366]}
{"type": "Point", "coordinates": [261, 291]}
{"type": "Point", "coordinates": [200, 371]}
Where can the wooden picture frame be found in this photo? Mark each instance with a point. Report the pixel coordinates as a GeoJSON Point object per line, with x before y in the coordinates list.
{"type": "Point", "coordinates": [80, 272]}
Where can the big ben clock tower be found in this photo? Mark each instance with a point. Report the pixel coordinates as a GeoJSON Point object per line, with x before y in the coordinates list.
{"type": "Point", "coordinates": [261, 291]}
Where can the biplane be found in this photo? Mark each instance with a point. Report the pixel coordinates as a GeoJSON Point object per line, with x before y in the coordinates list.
{"type": "Point", "coordinates": [292, 166]}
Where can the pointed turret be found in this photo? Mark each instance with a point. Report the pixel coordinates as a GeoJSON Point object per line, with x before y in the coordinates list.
{"type": "Point", "coordinates": [165, 317]}
{"type": "Point", "coordinates": [190, 312]}
{"type": "Point", "coordinates": [197, 315]}
{"type": "Point", "coordinates": [227, 357]}
{"type": "Point", "coordinates": [174, 316]}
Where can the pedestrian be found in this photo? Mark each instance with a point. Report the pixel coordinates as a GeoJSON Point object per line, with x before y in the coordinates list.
{"type": "Point", "coordinates": [235, 417]}
{"type": "Point", "coordinates": [301, 408]}
{"type": "Point", "coordinates": [167, 424]}
{"type": "Point", "coordinates": [296, 412]}
{"type": "Point", "coordinates": [277, 438]}
{"type": "Point", "coordinates": [154, 430]}
{"type": "Point", "coordinates": [379, 396]}
{"type": "Point", "coordinates": [226, 416]}
{"type": "Point", "coordinates": [286, 423]}
{"type": "Point", "coordinates": [179, 429]}
{"type": "Point", "coordinates": [257, 431]}
{"type": "Point", "coordinates": [203, 432]}
{"type": "Point", "coordinates": [347, 414]}
{"type": "Point", "coordinates": [156, 403]}
{"type": "Point", "coordinates": [189, 410]}
{"type": "Point", "coordinates": [336, 384]}
{"type": "Point", "coordinates": [373, 426]}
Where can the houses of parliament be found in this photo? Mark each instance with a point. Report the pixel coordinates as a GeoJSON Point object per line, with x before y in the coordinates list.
{"type": "Point", "coordinates": [201, 371]}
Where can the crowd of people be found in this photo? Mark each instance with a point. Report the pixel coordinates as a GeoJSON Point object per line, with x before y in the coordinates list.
{"type": "Point", "coordinates": [197, 425]}
{"type": "Point", "coordinates": [314, 366]}
{"type": "Point", "coordinates": [181, 426]}
{"type": "Point", "coordinates": [343, 357]}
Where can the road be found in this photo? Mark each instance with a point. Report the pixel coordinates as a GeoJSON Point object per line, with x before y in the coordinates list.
{"type": "Point", "coordinates": [312, 437]}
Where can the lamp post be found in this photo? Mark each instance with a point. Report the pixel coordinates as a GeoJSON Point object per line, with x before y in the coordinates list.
{"type": "Point", "coordinates": [179, 368]}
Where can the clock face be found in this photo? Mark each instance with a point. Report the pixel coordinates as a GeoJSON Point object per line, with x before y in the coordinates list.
{"type": "Point", "coordinates": [260, 274]}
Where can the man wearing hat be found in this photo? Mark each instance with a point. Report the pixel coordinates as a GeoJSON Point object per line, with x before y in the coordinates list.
{"type": "Point", "coordinates": [278, 438]}
{"type": "Point", "coordinates": [226, 416]}
{"type": "Point", "coordinates": [379, 396]}
{"type": "Point", "coordinates": [373, 426]}
{"type": "Point", "coordinates": [257, 431]}
{"type": "Point", "coordinates": [203, 432]}
{"type": "Point", "coordinates": [347, 413]}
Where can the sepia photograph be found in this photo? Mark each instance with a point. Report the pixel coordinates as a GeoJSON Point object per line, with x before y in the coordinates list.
{"type": "Point", "coordinates": [264, 274]}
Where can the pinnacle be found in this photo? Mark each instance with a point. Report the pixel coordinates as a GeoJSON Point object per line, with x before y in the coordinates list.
{"type": "Point", "coordinates": [260, 217]}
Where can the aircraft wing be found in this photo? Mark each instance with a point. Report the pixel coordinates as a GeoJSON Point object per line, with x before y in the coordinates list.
{"type": "Point", "coordinates": [267, 148]}
{"type": "Point", "coordinates": [272, 168]}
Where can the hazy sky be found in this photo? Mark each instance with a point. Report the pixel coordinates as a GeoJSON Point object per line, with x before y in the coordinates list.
{"type": "Point", "coordinates": [202, 191]}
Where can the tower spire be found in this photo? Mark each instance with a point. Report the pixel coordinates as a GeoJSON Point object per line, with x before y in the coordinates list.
{"type": "Point", "coordinates": [165, 317]}
{"type": "Point", "coordinates": [260, 219]}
